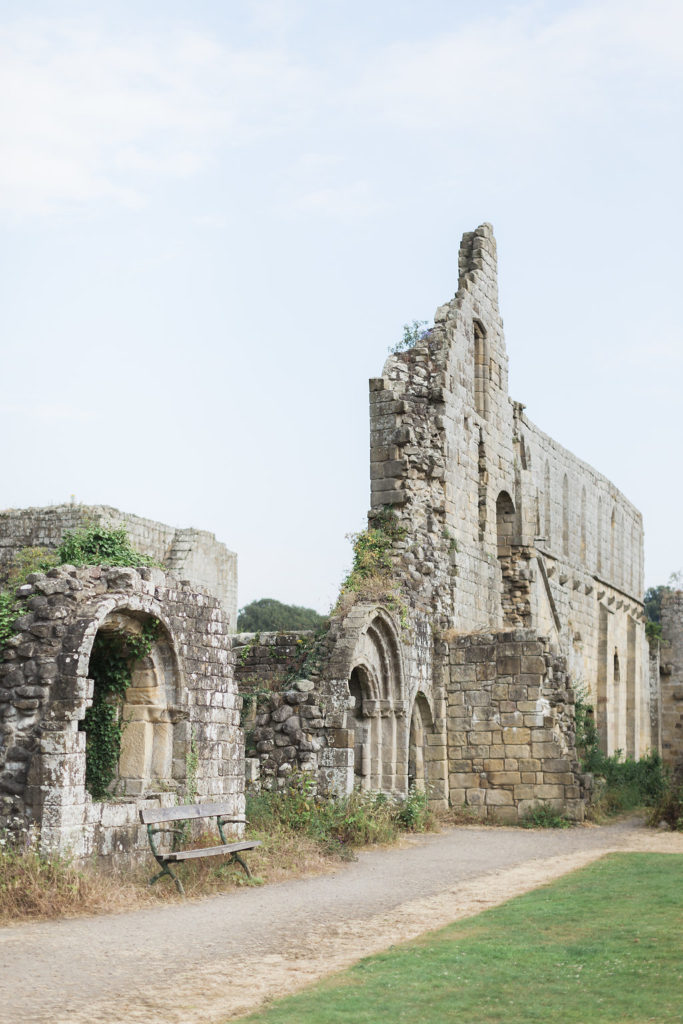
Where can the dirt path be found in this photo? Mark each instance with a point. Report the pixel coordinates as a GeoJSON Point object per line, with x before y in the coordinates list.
{"type": "Point", "coordinates": [211, 960]}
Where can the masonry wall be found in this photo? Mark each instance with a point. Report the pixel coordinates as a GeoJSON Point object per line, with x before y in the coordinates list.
{"type": "Point", "coordinates": [510, 727]}
{"type": "Point", "coordinates": [503, 526]}
{"type": "Point", "coordinates": [269, 660]}
{"type": "Point", "coordinates": [186, 702]}
{"type": "Point", "coordinates": [671, 680]}
{"type": "Point", "coordinates": [189, 554]}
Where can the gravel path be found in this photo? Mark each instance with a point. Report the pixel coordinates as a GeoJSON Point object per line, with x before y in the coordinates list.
{"type": "Point", "coordinates": [210, 960]}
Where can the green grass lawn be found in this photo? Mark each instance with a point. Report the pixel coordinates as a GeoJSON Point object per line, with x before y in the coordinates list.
{"type": "Point", "coordinates": [604, 944]}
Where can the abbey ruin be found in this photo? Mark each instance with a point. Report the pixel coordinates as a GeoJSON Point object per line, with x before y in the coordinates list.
{"type": "Point", "coordinates": [514, 580]}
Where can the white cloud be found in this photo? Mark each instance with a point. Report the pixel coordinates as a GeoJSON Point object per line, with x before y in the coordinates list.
{"type": "Point", "coordinates": [350, 200]}
{"type": "Point", "coordinates": [527, 70]}
{"type": "Point", "coordinates": [89, 118]}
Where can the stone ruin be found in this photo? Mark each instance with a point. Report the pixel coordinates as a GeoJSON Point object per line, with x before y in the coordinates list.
{"type": "Point", "coordinates": [667, 684]}
{"type": "Point", "coordinates": [182, 701]}
{"type": "Point", "coordinates": [516, 581]}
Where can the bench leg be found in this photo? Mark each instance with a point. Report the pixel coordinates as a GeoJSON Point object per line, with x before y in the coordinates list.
{"type": "Point", "coordinates": [236, 857]}
{"type": "Point", "coordinates": [167, 871]}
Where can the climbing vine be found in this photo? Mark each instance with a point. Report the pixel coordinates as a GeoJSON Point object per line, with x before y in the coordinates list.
{"type": "Point", "coordinates": [112, 660]}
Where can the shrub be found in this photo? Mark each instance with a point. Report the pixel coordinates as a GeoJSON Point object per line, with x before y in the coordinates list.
{"type": "Point", "coordinates": [544, 816]}
{"type": "Point", "coordinates": [339, 824]}
{"type": "Point", "coordinates": [669, 808]}
{"type": "Point", "coordinates": [628, 783]}
{"type": "Point", "coordinates": [95, 545]}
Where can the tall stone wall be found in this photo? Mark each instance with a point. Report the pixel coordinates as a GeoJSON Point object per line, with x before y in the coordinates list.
{"type": "Point", "coordinates": [511, 736]}
{"type": "Point", "coordinates": [671, 680]}
{"type": "Point", "coordinates": [502, 527]}
{"type": "Point", "coordinates": [189, 554]}
{"type": "Point", "coordinates": [182, 702]}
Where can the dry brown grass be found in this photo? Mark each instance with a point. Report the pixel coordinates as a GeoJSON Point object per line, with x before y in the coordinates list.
{"type": "Point", "coordinates": [33, 888]}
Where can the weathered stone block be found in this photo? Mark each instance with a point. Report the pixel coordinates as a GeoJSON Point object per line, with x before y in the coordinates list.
{"type": "Point", "coordinates": [498, 797]}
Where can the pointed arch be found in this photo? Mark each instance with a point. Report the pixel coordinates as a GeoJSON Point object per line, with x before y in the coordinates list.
{"type": "Point", "coordinates": [565, 516]}
{"type": "Point", "coordinates": [481, 368]}
{"type": "Point", "coordinates": [547, 523]}
{"type": "Point", "coordinates": [582, 552]}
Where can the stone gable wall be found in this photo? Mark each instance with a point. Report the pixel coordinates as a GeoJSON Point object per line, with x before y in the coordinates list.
{"type": "Point", "coordinates": [474, 484]}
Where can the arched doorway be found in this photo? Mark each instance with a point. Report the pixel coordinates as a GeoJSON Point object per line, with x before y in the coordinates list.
{"type": "Point", "coordinates": [421, 724]}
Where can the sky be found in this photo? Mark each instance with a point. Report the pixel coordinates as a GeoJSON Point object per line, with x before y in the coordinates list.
{"type": "Point", "coordinates": [217, 216]}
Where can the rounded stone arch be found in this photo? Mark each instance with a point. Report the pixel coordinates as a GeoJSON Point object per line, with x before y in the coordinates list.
{"type": "Point", "coordinates": [153, 705]}
{"type": "Point", "coordinates": [506, 517]}
{"type": "Point", "coordinates": [421, 725]}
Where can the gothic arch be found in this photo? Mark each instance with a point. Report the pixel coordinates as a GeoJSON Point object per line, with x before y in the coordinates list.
{"type": "Point", "coordinates": [377, 703]}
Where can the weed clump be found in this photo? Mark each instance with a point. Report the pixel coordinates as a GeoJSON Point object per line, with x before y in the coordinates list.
{"type": "Point", "coordinates": [372, 573]}
{"type": "Point", "coordinates": [623, 783]}
{"type": "Point", "coordinates": [544, 816]}
{"type": "Point", "coordinates": [669, 808]}
{"type": "Point", "coordinates": [337, 824]}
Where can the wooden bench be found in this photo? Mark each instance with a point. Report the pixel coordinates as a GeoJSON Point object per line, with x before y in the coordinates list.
{"type": "Point", "coordinates": [150, 816]}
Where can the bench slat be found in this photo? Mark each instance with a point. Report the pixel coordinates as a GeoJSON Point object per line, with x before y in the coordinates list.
{"type": "Point", "coordinates": [210, 851]}
{"type": "Point", "coordinates": [153, 815]}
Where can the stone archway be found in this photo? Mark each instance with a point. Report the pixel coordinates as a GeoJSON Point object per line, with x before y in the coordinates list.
{"type": "Point", "coordinates": [150, 710]}
{"type": "Point", "coordinates": [421, 725]}
{"type": "Point", "coordinates": [377, 706]}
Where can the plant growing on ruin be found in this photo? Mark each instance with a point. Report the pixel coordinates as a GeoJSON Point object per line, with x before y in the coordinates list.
{"type": "Point", "coordinates": [544, 816]}
{"type": "Point", "coordinates": [26, 561]}
{"type": "Point", "coordinates": [8, 613]}
{"type": "Point", "coordinates": [412, 333]}
{"type": "Point", "coordinates": [112, 660]}
{"type": "Point", "coordinates": [372, 573]}
{"type": "Point", "coordinates": [372, 550]}
{"type": "Point", "coordinates": [95, 545]}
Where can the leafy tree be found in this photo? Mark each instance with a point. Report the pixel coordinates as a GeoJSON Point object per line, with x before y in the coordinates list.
{"type": "Point", "coordinates": [653, 603]}
{"type": "Point", "coordinates": [271, 615]}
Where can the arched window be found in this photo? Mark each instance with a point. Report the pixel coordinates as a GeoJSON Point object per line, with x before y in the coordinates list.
{"type": "Point", "coordinates": [565, 516]}
{"type": "Point", "coordinates": [583, 526]}
{"type": "Point", "coordinates": [599, 552]}
{"type": "Point", "coordinates": [481, 369]}
{"type": "Point", "coordinates": [547, 520]}
{"type": "Point", "coordinates": [359, 688]}
{"type": "Point", "coordinates": [505, 524]}
{"type": "Point", "coordinates": [612, 546]}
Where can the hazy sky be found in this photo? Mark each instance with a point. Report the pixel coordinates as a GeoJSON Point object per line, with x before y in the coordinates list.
{"type": "Point", "coordinates": [218, 215]}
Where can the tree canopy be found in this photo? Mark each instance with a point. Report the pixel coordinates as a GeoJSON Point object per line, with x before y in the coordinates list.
{"type": "Point", "coordinates": [653, 603]}
{"type": "Point", "coordinates": [271, 615]}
